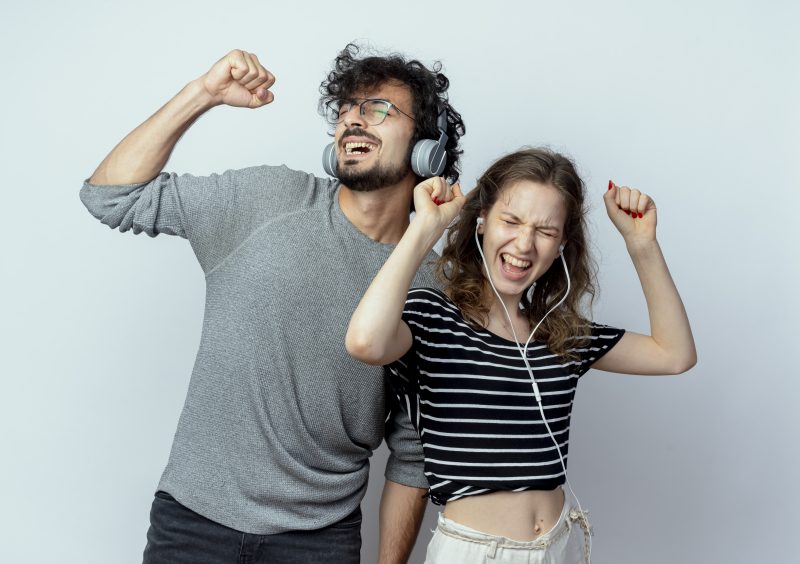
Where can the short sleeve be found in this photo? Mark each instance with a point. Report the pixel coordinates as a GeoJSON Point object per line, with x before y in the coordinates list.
{"type": "Point", "coordinates": [405, 464]}
{"type": "Point", "coordinates": [403, 374]}
{"type": "Point", "coordinates": [597, 343]}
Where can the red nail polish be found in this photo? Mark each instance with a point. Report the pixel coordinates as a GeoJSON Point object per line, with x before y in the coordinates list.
{"type": "Point", "coordinates": [610, 185]}
{"type": "Point", "coordinates": [627, 212]}
{"type": "Point", "coordinates": [641, 215]}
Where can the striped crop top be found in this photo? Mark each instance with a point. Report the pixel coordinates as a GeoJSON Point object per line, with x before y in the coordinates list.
{"type": "Point", "coordinates": [469, 396]}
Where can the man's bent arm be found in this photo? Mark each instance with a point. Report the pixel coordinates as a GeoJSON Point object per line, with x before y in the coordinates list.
{"type": "Point", "coordinates": [401, 512]}
{"type": "Point", "coordinates": [142, 154]}
{"type": "Point", "coordinates": [238, 79]}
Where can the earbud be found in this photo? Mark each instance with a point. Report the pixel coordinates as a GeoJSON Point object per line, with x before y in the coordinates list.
{"type": "Point", "coordinates": [523, 351]}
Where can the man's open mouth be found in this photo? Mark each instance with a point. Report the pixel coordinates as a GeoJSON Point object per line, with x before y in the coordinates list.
{"type": "Point", "coordinates": [360, 148]}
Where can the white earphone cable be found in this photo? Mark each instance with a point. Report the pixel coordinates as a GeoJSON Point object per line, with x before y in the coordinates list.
{"type": "Point", "coordinates": [524, 354]}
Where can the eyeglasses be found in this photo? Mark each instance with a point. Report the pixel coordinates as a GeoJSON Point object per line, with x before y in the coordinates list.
{"type": "Point", "coordinates": [374, 111]}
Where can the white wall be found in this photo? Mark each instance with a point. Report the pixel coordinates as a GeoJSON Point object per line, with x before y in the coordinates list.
{"type": "Point", "coordinates": [694, 102]}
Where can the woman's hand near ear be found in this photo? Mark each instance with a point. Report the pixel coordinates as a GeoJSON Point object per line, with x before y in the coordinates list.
{"type": "Point", "coordinates": [377, 333]}
{"type": "Point", "coordinates": [437, 204]}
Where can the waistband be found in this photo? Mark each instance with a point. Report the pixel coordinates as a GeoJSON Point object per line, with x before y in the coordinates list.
{"type": "Point", "coordinates": [569, 517]}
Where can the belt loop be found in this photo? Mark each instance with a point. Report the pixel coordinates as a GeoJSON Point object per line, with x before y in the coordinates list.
{"type": "Point", "coordinates": [581, 518]}
{"type": "Point", "coordinates": [492, 549]}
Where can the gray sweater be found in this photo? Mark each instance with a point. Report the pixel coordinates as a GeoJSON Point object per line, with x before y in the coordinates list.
{"type": "Point", "coordinates": [279, 421]}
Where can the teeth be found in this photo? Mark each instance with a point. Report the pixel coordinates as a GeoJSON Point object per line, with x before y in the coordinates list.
{"type": "Point", "coordinates": [348, 147]}
{"type": "Point", "coordinates": [516, 262]}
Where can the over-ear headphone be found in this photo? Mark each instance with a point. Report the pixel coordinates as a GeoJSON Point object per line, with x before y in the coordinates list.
{"type": "Point", "coordinates": [428, 157]}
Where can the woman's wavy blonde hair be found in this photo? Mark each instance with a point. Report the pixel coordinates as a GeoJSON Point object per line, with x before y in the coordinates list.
{"type": "Point", "coordinates": [461, 269]}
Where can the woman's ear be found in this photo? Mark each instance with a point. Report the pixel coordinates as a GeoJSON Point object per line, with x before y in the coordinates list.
{"type": "Point", "coordinates": [481, 222]}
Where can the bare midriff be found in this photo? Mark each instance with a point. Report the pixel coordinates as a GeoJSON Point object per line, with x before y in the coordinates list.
{"type": "Point", "coordinates": [520, 516]}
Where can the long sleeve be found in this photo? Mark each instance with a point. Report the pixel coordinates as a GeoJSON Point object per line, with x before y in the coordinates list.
{"type": "Point", "coordinates": [216, 213]}
{"type": "Point", "coordinates": [149, 207]}
{"type": "Point", "coordinates": [406, 460]}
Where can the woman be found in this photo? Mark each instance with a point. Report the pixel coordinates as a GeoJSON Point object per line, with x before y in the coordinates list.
{"type": "Point", "coordinates": [491, 403]}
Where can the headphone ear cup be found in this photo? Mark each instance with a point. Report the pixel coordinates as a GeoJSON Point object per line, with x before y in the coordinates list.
{"type": "Point", "coordinates": [422, 158]}
{"type": "Point", "coordinates": [329, 164]}
{"type": "Point", "coordinates": [429, 156]}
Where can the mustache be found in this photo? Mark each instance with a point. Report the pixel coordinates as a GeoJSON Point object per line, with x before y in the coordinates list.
{"type": "Point", "coordinates": [358, 132]}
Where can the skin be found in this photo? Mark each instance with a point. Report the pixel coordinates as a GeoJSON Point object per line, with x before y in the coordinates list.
{"type": "Point", "coordinates": [380, 214]}
{"type": "Point", "coordinates": [239, 79]}
{"type": "Point", "coordinates": [527, 221]}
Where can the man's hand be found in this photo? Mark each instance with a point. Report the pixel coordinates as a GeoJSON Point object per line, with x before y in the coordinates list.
{"type": "Point", "coordinates": [239, 79]}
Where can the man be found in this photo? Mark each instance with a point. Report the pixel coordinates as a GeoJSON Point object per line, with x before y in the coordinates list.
{"type": "Point", "coordinates": [270, 459]}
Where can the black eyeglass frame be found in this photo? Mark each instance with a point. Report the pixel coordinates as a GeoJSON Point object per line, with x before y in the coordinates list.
{"type": "Point", "coordinates": [335, 109]}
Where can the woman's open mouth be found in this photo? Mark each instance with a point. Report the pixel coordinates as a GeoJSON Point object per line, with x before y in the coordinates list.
{"type": "Point", "coordinates": [513, 267]}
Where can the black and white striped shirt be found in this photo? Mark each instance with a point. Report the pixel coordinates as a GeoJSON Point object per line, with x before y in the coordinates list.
{"type": "Point", "coordinates": [469, 396]}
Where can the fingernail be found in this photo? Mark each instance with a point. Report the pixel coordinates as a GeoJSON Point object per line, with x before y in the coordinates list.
{"type": "Point", "coordinates": [627, 212]}
{"type": "Point", "coordinates": [610, 185]}
{"type": "Point", "coordinates": [641, 215]}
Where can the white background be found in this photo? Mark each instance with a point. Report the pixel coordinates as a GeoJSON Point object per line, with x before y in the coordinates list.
{"type": "Point", "coordinates": [694, 102]}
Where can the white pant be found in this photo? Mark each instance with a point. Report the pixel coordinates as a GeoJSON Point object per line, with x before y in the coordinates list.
{"type": "Point", "coordinates": [566, 543]}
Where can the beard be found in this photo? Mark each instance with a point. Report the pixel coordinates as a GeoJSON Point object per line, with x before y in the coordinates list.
{"type": "Point", "coordinates": [374, 178]}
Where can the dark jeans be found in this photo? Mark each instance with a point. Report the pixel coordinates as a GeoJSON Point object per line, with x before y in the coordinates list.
{"type": "Point", "coordinates": [178, 535]}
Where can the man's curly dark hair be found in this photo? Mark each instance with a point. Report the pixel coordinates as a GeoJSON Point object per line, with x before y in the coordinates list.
{"type": "Point", "coordinates": [428, 87]}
